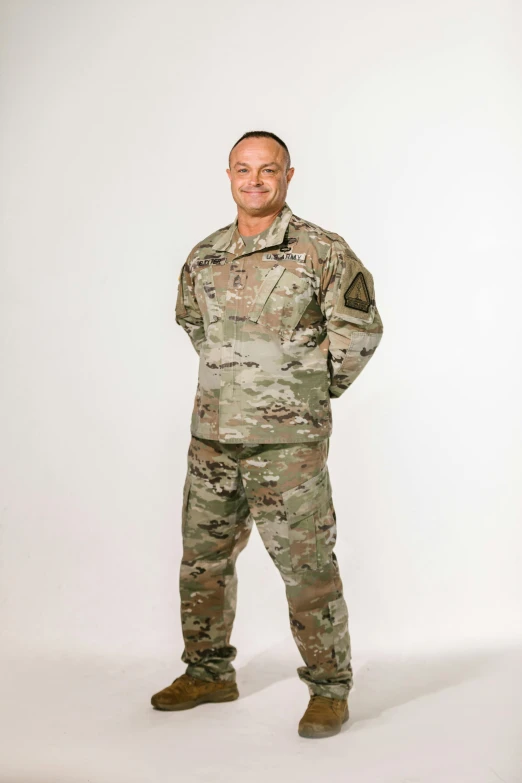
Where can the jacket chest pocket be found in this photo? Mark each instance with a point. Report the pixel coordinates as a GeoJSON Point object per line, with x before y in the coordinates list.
{"type": "Point", "coordinates": [207, 297]}
{"type": "Point", "coordinates": [281, 300]}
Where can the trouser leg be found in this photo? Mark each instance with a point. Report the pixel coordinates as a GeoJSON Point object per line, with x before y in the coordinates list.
{"type": "Point", "coordinates": [216, 527]}
{"type": "Point", "coordinates": [290, 498]}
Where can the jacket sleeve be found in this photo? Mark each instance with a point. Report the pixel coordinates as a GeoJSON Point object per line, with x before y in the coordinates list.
{"type": "Point", "coordinates": [188, 314]}
{"type": "Point", "coordinates": [354, 326]}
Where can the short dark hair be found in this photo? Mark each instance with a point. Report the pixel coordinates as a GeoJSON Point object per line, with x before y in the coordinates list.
{"type": "Point", "coordinates": [263, 135]}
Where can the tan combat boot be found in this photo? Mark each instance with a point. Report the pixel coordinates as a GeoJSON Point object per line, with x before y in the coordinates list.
{"type": "Point", "coordinates": [323, 717]}
{"type": "Point", "coordinates": [186, 692]}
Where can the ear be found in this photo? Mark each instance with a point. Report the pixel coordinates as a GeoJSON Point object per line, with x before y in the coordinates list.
{"type": "Point", "coordinates": [290, 174]}
{"type": "Point", "coordinates": [229, 174]}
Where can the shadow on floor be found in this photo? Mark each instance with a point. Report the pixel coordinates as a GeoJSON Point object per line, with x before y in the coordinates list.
{"type": "Point", "coordinates": [379, 683]}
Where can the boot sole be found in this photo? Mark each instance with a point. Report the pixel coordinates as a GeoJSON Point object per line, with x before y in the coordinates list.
{"type": "Point", "coordinates": [209, 697]}
{"type": "Point", "coordinates": [312, 734]}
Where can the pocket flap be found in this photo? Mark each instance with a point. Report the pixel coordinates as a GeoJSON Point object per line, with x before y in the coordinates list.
{"type": "Point", "coordinates": [212, 308]}
{"type": "Point", "coordinates": [305, 498]}
{"type": "Point", "coordinates": [302, 298]}
{"type": "Point", "coordinates": [265, 290]}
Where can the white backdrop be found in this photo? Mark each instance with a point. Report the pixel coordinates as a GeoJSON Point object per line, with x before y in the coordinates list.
{"type": "Point", "coordinates": [404, 123]}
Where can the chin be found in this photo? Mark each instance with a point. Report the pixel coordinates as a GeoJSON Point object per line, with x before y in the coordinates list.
{"type": "Point", "coordinates": [256, 206]}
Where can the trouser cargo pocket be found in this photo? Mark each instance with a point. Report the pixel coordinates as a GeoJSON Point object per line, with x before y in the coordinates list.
{"type": "Point", "coordinates": [306, 505]}
{"type": "Point", "coordinates": [184, 507]}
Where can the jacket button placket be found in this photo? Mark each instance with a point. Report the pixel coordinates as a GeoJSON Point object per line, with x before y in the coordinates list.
{"type": "Point", "coordinates": [230, 393]}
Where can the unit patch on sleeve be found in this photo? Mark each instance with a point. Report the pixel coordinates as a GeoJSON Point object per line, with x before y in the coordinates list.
{"type": "Point", "coordinates": [357, 295]}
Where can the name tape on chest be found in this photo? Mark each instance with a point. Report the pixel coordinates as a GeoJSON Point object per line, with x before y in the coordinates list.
{"type": "Point", "coordinates": [211, 260]}
{"type": "Point", "coordinates": [283, 257]}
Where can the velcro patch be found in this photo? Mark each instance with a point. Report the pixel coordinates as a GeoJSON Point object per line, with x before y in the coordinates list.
{"type": "Point", "coordinates": [357, 295]}
{"type": "Point", "coordinates": [283, 257]}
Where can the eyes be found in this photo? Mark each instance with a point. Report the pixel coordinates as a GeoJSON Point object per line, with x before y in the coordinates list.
{"type": "Point", "coordinates": [240, 171]}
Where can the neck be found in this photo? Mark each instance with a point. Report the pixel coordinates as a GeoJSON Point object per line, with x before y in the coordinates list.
{"type": "Point", "coordinates": [250, 225]}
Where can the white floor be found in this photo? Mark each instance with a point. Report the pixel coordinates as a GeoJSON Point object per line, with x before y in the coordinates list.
{"type": "Point", "coordinates": [448, 719]}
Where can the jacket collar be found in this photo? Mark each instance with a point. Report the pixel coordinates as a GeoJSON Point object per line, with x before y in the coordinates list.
{"type": "Point", "coordinates": [232, 242]}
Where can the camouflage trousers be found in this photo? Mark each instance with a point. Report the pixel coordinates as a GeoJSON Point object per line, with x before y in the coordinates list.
{"type": "Point", "coordinates": [285, 488]}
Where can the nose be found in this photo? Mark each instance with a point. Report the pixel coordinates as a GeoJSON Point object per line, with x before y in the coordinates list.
{"type": "Point", "coordinates": [254, 178]}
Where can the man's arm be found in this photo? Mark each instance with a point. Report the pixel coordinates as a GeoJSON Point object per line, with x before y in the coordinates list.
{"type": "Point", "coordinates": [353, 323]}
{"type": "Point", "coordinates": [188, 314]}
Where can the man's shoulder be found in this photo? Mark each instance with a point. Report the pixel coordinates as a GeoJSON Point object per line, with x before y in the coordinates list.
{"type": "Point", "coordinates": [306, 230]}
{"type": "Point", "coordinates": [208, 241]}
{"type": "Point", "coordinates": [313, 231]}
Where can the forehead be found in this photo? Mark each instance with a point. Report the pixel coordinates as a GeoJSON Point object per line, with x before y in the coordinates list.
{"type": "Point", "coordinates": [254, 150]}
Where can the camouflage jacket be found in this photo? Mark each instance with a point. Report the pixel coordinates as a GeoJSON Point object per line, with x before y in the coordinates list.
{"type": "Point", "coordinates": [282, 322]}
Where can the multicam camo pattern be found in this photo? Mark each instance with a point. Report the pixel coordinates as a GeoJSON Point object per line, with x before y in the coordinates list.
{"type": "Point", "coordinates": [286, 489]}
{"type": "Point", "coordinates": [282, 322]}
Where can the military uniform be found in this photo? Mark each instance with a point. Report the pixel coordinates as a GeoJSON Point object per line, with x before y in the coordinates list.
{"type": "Point", "coordinates": [282, 322]}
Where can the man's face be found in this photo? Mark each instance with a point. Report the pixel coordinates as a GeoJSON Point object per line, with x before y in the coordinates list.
{"type": "Point", "coordinates": [258, 178]}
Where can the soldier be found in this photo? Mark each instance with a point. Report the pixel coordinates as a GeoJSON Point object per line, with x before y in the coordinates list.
{"type": "Point", "coordinates": [283, 317]}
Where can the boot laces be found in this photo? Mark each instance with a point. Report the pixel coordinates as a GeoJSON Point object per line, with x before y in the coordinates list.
{"type": "Point", "coordinates": [184, 683]}
{"type": "Point", "coordinates": [318, 703]}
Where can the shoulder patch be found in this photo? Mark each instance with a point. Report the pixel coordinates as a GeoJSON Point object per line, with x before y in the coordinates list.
{"type": "Point", "coordinates": [357, 294]}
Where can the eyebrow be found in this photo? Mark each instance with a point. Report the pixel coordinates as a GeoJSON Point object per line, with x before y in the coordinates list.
{"type": "Point", "coordinates": [272, 163]}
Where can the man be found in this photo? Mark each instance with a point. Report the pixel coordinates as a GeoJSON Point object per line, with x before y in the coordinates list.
{"type": "Point", "coordinates": [282, 314]}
